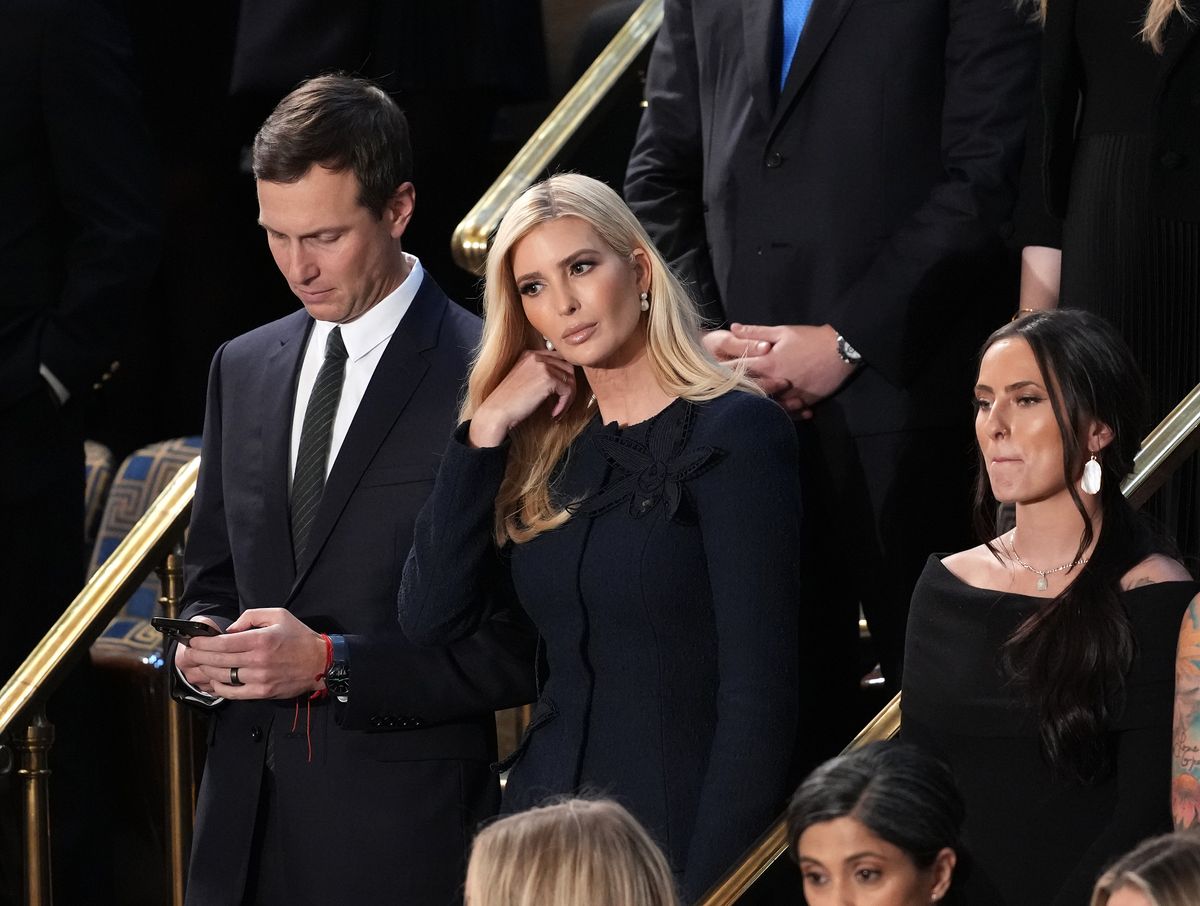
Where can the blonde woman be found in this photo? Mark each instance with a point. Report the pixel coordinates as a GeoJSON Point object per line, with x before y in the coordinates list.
{"type": "Point", "coordinates": [642, 501]}
{"type": "Point", "coordinates": [1162, 871]}
{"type": "Point", "coordinates": [1109, 215]}
{"type": "Point", "coordinates": [578, 852]}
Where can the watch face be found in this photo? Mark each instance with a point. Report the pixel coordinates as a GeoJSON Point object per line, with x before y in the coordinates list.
{"type": "Point", "coordinates": [337, 680]}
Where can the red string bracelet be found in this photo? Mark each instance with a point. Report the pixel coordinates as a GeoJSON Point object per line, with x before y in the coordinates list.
{"type": "Point", "coordinates": [318, 694]}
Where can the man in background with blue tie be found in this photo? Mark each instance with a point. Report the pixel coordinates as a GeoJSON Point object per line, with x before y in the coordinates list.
{"type": "Point", "coordinates": [344, 764]}
{"type": "Point", "coordinates": [835, 179]}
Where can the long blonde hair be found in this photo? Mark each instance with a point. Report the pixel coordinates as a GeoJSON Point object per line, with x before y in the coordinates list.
{"type": "Point", "coordinates": [575, 853]}
{"type": "Point", "coordinates": [525, 505]}
{"type": "Point", "coordinates": [1166, 869]}
{"type": "Point", "coordinates": [1158, 12]}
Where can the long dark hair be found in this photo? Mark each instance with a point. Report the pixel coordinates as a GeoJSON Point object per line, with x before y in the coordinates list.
{"type": "Point", "coordinates": [900, 793]}
{"type": "Point", "coordinates": [1071, 656]}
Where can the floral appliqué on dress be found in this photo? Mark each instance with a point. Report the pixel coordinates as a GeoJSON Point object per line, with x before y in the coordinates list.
{"type": "Point", "coordinates": [645, 474]}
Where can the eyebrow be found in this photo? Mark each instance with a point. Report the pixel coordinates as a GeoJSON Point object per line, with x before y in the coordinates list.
{"type": "Point", "coordinates": [853, 857]}
{"type": "Point", "coordinates": [309, 235]}
{"type": "Point", "coordinates": [864, 854]}
{"type": "Point", "coordinates": [566, 262]}
{"type": "Point", "coordinates": [1011, 387]}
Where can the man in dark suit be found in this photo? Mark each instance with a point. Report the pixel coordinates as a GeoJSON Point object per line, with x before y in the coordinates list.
{"type": "Point", "coordinates": [344, 764]}
{"type": "Point", "coordinates": [836, 182]}
{"type": "Point", "coordinates": [78, 245]}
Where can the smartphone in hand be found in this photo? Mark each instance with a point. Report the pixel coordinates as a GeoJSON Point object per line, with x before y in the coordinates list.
{"type": "Point", "coordinates": [183, 629]}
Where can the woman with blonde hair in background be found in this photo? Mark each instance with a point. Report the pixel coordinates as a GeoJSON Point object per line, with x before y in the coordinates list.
{"type": "Point", "coordinates": [642, 503]}
{"type": "Point", "coordinates": [1162, 871]}
{"type": "Point", "coordinates": [578, 852]}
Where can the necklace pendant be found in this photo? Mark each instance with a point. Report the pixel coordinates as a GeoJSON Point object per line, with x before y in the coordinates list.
{"type": "Point", "coordinates": [1042, 584]}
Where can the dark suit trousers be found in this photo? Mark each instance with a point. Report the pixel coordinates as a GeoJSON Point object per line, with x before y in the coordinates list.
{"type": "Point", "coordinates": [41, 562]}
{"type": "Point", "coordinates": [875, 507]}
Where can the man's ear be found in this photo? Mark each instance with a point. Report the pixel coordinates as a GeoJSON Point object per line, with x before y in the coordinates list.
{"type": "Point", "coordinates": [398, 210]}
{"type": "Point", "coordinates": [1099, 436]}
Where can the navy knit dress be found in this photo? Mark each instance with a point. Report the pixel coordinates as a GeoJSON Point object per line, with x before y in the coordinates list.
{"type": "Point", "coordinates": [668, 607]}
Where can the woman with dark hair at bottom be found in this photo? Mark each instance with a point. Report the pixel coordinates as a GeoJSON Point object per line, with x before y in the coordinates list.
{"type": "Point", "coordinates": [877, 827]}
{"type": "Point", "coordinates": [1040, 664]}
{"type": "Point", "coordinates": [1162, 871]}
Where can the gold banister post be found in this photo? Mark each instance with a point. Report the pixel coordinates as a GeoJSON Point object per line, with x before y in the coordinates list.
{"type": "Point", "coordinates": [32, 748]}
{"type": "Point", "coordinates": [179, 797]}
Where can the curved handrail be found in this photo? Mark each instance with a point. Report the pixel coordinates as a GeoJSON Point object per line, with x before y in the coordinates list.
{"type": "Point", "coordinates": [470, 241]}
{"type": "Point", "coordinates": [1174, 438]}
{"type": "Point", "coordinates": [135, 557]}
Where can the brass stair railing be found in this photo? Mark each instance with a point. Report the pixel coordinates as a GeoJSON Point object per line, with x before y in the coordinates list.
{"type": "Point", "coordinates": [470, 241]}
{"type": "Point", "coordinates": [1174, 439]}
{"type": "Point", "coordinates": [153, 543]}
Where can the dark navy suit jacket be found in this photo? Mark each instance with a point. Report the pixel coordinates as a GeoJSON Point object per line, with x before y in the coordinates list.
{"type": "Point", "coordinates": [400, 775]}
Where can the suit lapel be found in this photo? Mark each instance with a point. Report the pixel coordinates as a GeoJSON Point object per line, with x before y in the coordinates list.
{"type": "Point", "coordinates": [278, 391]}
{"type": "Point", "coordinates": [396, 378]}
{"type": "Point", "coordinates": [759, 18]}
{"type": "Point", "coordinates": [823, 20]}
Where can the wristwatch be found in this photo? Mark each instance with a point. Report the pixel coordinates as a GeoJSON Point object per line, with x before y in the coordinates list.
{"type": "Point", "coordinates": [848, 353]}
{"type": "Point", "coordinates": [337, 677]}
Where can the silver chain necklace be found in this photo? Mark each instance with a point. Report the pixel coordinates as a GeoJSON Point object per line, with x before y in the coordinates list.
{"type": "Point", "coordinates": [1042, 584]}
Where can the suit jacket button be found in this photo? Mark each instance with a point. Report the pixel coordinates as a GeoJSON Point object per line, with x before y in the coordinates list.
{"type": "Point", "coordinates": [256, 733]}
{"type": "Point", "coordinates": [376, 721]}
{"type": "Point", "coordinates": [1171, 160]}
{"type": "Point", "coordinates": [774, 159]}
{"type": "Point", "coordinates": [415, 723]}
{"type": "Point", "coordinates": [389, 722]}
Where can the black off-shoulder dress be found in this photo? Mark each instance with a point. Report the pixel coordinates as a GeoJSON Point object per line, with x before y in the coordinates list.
{"type": "Point", "coordinates": [668, 607]}
{"type": "Point", "coordinates": [1032, 838]}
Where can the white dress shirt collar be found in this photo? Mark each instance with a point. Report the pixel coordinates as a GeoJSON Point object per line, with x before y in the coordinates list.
{"type": "Point", "coordinates": [377, 323]}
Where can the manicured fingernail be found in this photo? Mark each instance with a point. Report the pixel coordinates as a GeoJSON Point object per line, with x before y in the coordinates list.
{"type": "Point", "coordinates": [761, 345]}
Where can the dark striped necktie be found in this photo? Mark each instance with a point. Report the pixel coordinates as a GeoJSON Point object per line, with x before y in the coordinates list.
{"type": "Point", "coordinates": [308, 482]}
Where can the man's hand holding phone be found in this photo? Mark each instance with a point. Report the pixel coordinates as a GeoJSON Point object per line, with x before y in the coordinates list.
{"type": "Point", "coordinates": [183, 631]}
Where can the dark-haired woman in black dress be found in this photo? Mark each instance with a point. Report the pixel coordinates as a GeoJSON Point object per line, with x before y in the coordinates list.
{"type": "Point", "coordinates": [1040, 665]}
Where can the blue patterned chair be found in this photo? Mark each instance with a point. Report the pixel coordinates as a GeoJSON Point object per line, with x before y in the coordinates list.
{"type": "Point", "coordinates": [129, 642]}
{"type": "Point", "coordinates": [97, 477]}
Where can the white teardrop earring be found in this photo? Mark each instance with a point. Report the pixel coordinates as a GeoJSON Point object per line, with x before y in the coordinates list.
{"type": "Point", "coordinates": [645, 297]}
{"type": "Point", "coordinates": [549, 345]}
{"type": "Point", "coordinates": [1091, 477]}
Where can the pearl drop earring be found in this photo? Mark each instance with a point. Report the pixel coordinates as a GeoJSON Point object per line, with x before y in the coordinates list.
{"type": "Point", "coordinates": [645, 297]}
{"type": "Point", "coordinates": [1091, 477]}
{"type": "Point", "coordinates": [549, 345]}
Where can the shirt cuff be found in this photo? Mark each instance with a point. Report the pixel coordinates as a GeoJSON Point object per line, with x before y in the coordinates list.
{"type": "Point", "coordinates": [200, 698]}
{"type": "Point", "coordinates": [56, 385]}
